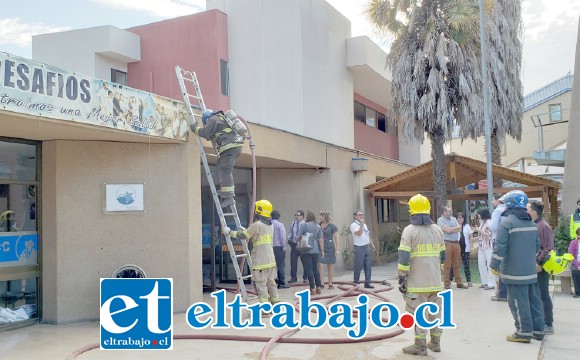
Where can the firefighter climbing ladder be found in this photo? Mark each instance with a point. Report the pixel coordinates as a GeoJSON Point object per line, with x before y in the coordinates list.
{"type": "Point", "coordinates": [189, 78]}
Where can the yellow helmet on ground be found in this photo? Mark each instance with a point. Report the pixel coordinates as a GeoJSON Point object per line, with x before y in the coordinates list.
{"type": "Point", "coordinates": [263, 208]}
{"type": "Point", "coordinates": [555, 265]}
{"type": "Point", "coordinates": [5, 214]}
{"type": "Point", "coordinates": [419, 204]}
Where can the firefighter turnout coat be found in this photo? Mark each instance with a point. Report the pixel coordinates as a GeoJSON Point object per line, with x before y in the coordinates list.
{"type": "Point", "coordinates": [218, 131]}
{"type": "Point", "coordinates": [421, 254]}
{"type": "Point", "coordinates": [261, 234]}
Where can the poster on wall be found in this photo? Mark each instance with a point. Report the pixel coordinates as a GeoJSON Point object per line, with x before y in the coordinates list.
{"type": "Point", "coordinates": [34, 88]}
{"type": "Point", "coordinates": [124, 198]}
{"type": "Point", "coordinates": [18, 248]}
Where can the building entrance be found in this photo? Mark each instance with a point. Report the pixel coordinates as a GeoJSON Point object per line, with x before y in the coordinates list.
{"type": "Point", "coordinates": [217, 265]}
{"type": "Point", "coordinates": [19, 233]}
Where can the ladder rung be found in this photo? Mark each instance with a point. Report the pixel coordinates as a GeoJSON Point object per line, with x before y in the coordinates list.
{"type": "Point", "coordinates": [229, 214]}
{"type": "Point", "coordinates": [242, 255]}
{"type": "Point", "coordinates": [246, 277]}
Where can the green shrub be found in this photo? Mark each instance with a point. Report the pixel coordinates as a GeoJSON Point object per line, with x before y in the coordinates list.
{"type": "Point", "coordinates": [346, 244]}
{"type": "Point", "coordinates": [389, 242]}
{"type": "Point", "coordinates": [562, 235]}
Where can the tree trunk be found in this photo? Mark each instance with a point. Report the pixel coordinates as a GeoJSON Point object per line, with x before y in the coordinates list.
{"type": "Point", "coordinates": [496, 156]}
{"type": "Point", "coordinates": [439, 170]}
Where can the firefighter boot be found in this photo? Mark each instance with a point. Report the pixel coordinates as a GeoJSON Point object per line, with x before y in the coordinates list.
{"type": "Point", "coordinates": [227, 199]}
{"type": "Point", "coordinates": [435, 343]}
{"type": "Point", "coordinates": [419, 348]}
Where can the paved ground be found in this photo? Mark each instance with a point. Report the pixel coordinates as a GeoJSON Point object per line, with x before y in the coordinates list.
{"type": "Point", "coordinates": [482, 327]}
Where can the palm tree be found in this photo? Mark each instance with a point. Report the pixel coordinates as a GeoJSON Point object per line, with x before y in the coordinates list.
{"type": "Point", "coordinates": [504, 53]}
{"type": "Point", "coordinates": [435, 62]}
{"type": "Point", "coordinates": [435, 59]}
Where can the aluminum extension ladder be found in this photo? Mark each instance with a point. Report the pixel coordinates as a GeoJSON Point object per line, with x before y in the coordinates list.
{"type": "Point", "coordinates": [189, 78]}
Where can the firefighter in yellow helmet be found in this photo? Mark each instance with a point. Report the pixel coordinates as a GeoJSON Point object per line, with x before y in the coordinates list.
{"type": "Point", "coordinates": [261, 234]}
{"type": "Point", "coordinates": [421, 254]}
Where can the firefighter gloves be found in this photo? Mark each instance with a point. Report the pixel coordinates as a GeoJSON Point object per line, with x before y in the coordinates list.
{"type": "Point", "coordinates": [403, 284]}
{"type": "Point", "coordinates": [193, 127]}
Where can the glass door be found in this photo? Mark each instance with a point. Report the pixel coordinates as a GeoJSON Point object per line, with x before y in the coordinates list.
{"type": "Point", "coordinates": [217, 264]}
{"type": "Point", "coordinates": [19, 240]}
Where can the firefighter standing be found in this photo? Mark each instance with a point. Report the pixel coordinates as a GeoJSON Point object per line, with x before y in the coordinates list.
{"type": "Point", "coordinates": [261, 234]}
{"type": "Point", "coordinates": [514, 260]}
{"type": "Point", "coordinates": [421, 254]}
{"type": "Point", "coordinates": [228, 144]}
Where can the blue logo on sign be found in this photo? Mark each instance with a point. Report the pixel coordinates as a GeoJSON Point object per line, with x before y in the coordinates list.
{"type": "Point", "coordinates": [125, 195]}
{"type": "Point", "coordinates": [136, 314]}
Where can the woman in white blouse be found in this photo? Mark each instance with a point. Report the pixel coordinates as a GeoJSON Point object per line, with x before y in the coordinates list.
{"type": "Point", "coordinates": [485, 249]}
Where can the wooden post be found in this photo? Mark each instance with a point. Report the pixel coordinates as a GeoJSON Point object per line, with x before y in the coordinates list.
{"type": "Point", "coordinates": [546, 198]}
{"type": "Point", "coordinates": [453, 174]}
{"type": "Point", "coordinates": [375, 230]}
{"type": "Point", "coordinates": [553, 196]}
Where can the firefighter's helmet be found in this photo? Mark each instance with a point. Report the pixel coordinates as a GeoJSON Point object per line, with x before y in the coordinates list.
{"type": "Point", "coordinates": [516, 199]}
{"type": "Point", "coordinates": [263, 208]}
{"type": "Point", "coordinates": [555, 265]}
{"type": "Point", "coordinates": [4, 216]}
{"type": "Point", "coordinates": [206, 115]}
{"type": "Point", "coordinates": [419, 204]}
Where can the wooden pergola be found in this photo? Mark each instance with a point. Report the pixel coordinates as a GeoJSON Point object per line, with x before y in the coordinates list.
{"type": "Point", "coordinates": [462, 171]}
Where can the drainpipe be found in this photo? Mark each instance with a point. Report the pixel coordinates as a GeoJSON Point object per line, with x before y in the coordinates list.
{"type": "Point", "coordinates": [359, 165]}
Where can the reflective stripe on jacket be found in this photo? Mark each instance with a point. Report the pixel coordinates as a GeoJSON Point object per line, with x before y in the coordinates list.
{"type": "Point", "coordinates": [421, 254]}
{"type": "Point", "coordinates": [262, 238]}
{"type": "Point", "coordinates": [217, 130]}
{"type": "Point", "coordinates": [515, 249]}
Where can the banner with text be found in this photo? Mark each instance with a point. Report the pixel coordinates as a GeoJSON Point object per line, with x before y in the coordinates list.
{"type": "Point", "coordinates": [38, 89]}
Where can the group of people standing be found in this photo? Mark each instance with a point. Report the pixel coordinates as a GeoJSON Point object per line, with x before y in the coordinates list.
{"type": "Point", "coordinates": [323, 251]}
{"type": "Point", "coordinates": [513, 243]}
{"type": "Point", "coordinates": [324, 247]}
{"type": "Point", "coordinates": [491, 235]}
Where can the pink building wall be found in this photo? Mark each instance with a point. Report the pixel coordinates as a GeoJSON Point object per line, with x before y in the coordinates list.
{"type": "Point", "coordinates": [372, 140]}
{"type": "Point", "coordinates": [194, 42]}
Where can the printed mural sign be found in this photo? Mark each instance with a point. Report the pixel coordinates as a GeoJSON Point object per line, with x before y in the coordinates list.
{"type": "Point", "coordinates": [38, 89]}
{"type": "Point", "coordinates": [18, 248]}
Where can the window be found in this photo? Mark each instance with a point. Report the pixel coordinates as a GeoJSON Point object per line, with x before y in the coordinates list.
{"type": "Point", "coordinates": [225, 77]}
{"type": "Point", "coordinates": [386, 210]}
{"type": "Point", "coordinates": [403, 210]}
{"type": "Point", "coordinates": [555, 112]}
{"type": "Point", "coordinates": [370, 117]}
{"type": "Point", "coordinates": [382, 122]}
{"type": "Point", "coordinates": [19, 238]}
{"type": "Point", "coordinates": [359, 112]}
{"type": "Point", "coordinates": [118, 76]}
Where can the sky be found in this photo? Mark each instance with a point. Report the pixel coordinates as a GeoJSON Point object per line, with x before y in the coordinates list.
{"type": "Point", "coordinates": [550, 26]}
